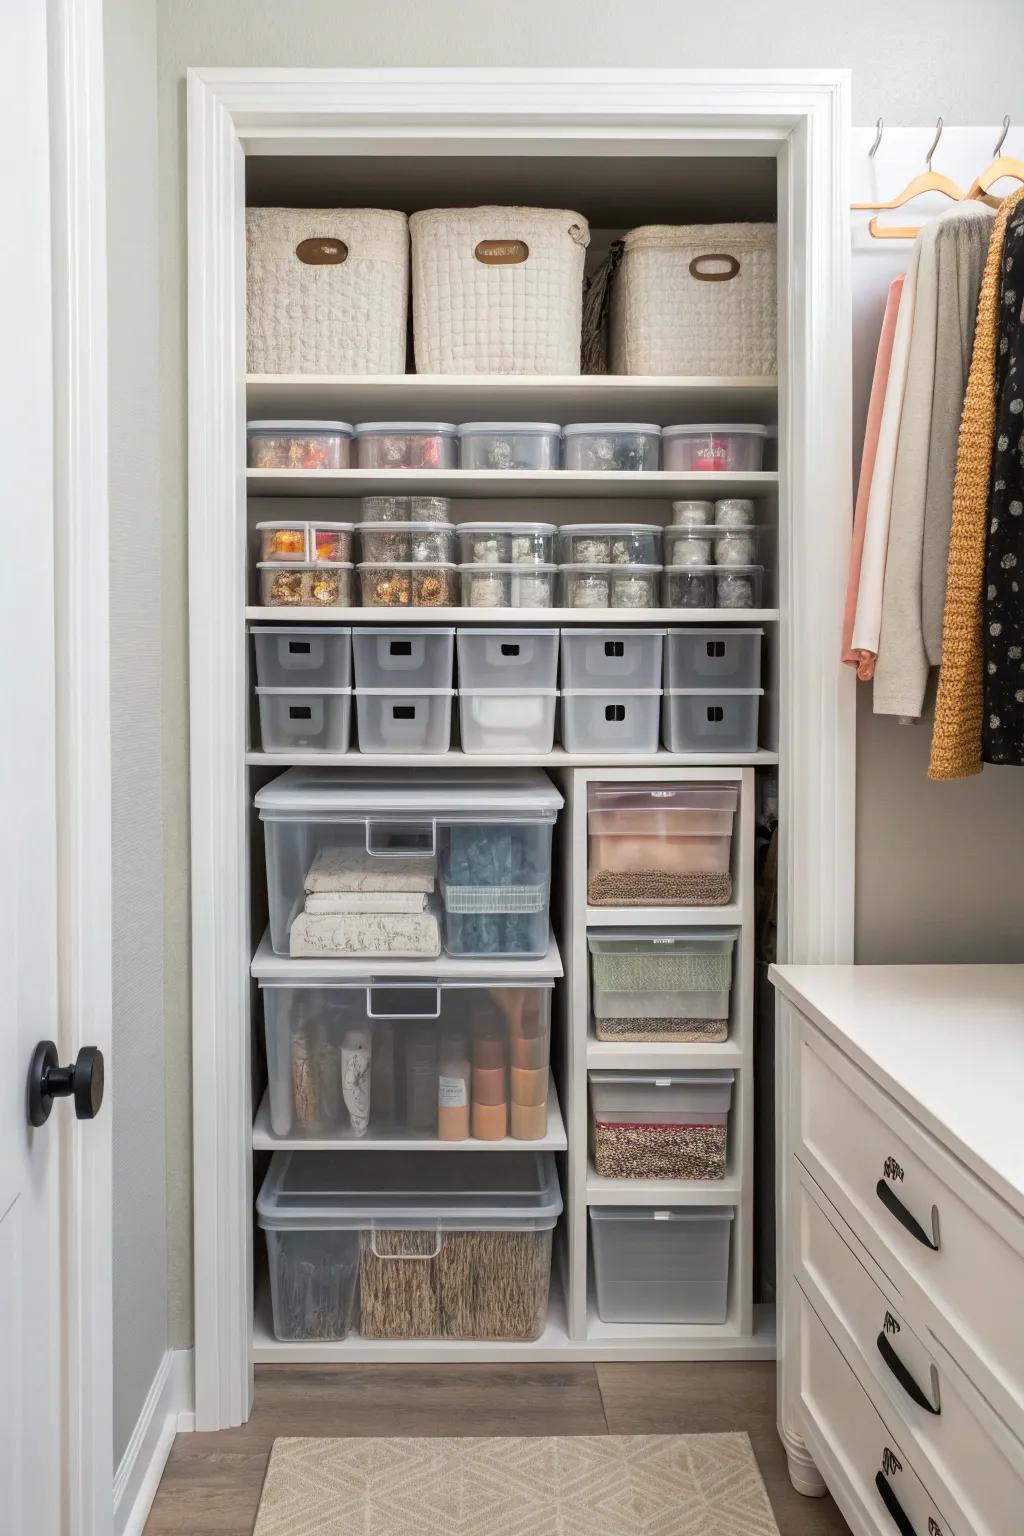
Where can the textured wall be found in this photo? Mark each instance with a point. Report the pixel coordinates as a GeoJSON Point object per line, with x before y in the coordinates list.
{"type": "Point", "coordinates": [910, 62]}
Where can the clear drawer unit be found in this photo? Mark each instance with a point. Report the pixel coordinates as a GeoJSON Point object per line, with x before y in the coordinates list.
{"type": "Point", "coordinates": [472, 849]}
{"type": "Point", "coordinates": [671, 1125]}
{"type": "Point", "coordinates": [701, 720]}
{"type": "Point", "coordinates": [713, 658]}
{"type": "Point", "coordinates": [660, 844]}
{"type": "Point", "coordinates": [423, 1058]}
{"type": "Point", "coordinates": [661, 1266]}
{"type": "Point", "coordinates": [409, 658]}
{"type": "Point", "coordinates": [595, 658]}
{"type": "Point", "coordinates": [394, 1245]}
{"type": "Point", "coordinates": [653, 984]}
{"type": "Point", "coordinates": [304, 719]}
{"type": "Point", "coordinates": [294, 656]}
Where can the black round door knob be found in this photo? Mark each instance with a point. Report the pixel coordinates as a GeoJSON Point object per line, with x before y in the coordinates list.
{"type": "Point", "coordinates": [48, 1080]}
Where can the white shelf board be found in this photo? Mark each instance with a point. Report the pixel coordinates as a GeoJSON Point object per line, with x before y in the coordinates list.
{"type": "Point", "coordinates": [609, 1055]}
{"type": "Point", "coordinates": [664, 1192]}
{"type": "Point", "coordinates": [558, 758]}
{"type": "Point", "coordinates": [549, 483]}
{"type": "Point", "coordinates": [662, 917]}
{"type": "Point", "coordinates": [267, 966]}
{"type": "Point", "coordinates": [512, 397]}
{"type": "Point", "coordinates": [667, 1335]}
{"type": "Point", "coordinates": [264, 1140]}
{"type": "Point", "coordinates": [501, 618]}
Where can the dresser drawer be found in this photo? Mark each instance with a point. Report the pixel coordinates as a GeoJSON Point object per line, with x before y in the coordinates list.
{"type": "Point", "coordinates": [937, 1414]}
{"type": "Point", "coordinates": [943, 1240]}
{"type": "Point", "coordinates": [863, 1462]}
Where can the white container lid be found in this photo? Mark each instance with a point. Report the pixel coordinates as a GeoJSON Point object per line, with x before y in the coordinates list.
{"type": "Point", "coordinates": [343, 428]}
{"type": "Point", "coordinates": [314, 693]}
{"type": "Point", "coordinates": [610, 528]}
{"type": "Point", "coordinates": [513, 634]}
{"type": "Point", "coordinates": [624, 569]}
{"type": "Point", "coordinates": [407, 631]}
{"type": "Point", "coordinates": [691, 429]}
{"type": "Point", "coordinates": [484, 566]}
{"type": "Point", "coordinates": [459, 793]}
{"type": "Point", "coordinates": [577, 427]}
{"type": "Point", "coordinates": [694, 939]}
{"type": "Point", "coordinates": [610, 693]}
{"type": "Point", "coordinates": [430, 565]}
{"type": "Point", "coordinates": [704, 570]}
{"type": "Point", "coordinates": [430, 428]}
{"type": "Point", "coordinates": [663, 1079]}
{"type": "Point", "coordinates": [645, 798]}
{"type": "Point", "coordinates": [513, 428]}
{"type": "Point", "coordinates": [287, 522]}
{"type": "Point", "coordinates": [405, 693]}
{"type": "Point", "coordinates": [689, 1213]}
{"type": "Point", "coordinates": [603, 634]}
{"type": "Point", "coordinates": [299, 629]}
{"type": "Point", "coordinates": [719, 633]}
{"type": "Point", "coordinates": [508, 693]}
{"type": "Point", "coordinates": [714, 693]}
{"type": "Point", "coordinates": [685, 531]}
{"type": "Point", "coordinates": [330, 527]}
{"type": "Point", "coordinates": [316, 565]}
{"type": "Point", "coordinates": [517, 1191]}
{"type": "Point", "coordinates": [507, 527]}
{"type": "Point", "coordinates": [395, 527]}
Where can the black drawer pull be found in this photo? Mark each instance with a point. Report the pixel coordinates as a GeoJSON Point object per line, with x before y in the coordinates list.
{"type": "Point", "coordinates": [903, 1376]}
{"type": "Point", "coordinates": [894, 1205]}
{"type": "Point", "coordinates": [896, 1511]}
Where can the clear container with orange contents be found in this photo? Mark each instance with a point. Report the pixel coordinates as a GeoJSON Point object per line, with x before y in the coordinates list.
{"type": "Point", "coordinates": [660, 844]}
{"type": "Point", "coordinates": [283, 541]}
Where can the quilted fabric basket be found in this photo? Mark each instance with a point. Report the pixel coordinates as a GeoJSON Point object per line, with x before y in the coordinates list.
{"type": "Point", "coordinates": [498, 290]}
{"type": "Point", "coordinates": [696, 299]}
{"type": "Point", "coordinates": [327, 290]}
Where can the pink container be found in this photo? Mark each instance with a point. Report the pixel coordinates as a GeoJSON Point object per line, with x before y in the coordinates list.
{"type": "Point", "coordinates": [660, 844]}
{"type": "Point", "coordinates": [716, 447]}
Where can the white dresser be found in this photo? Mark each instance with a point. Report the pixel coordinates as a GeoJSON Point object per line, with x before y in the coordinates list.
{"type": "Point", "coordinates": [901, 1244]}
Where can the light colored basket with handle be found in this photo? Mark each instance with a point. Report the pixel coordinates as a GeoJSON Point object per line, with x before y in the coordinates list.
{"type": "Point", "coordinates": [696, 299]}
{"type": "Point", "coordinates": [327, 290]}
{"type": "Point", "coordinates": [498, 290]}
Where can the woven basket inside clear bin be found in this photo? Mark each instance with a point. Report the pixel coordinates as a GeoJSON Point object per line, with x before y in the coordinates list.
{"type": "Point", "coordinates": [494, 898]}
{"type": "Point", "coordinates": [641, 971]}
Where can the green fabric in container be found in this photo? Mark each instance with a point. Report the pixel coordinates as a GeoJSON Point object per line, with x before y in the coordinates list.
{"type": "Point", "coordinates": [642, 971]}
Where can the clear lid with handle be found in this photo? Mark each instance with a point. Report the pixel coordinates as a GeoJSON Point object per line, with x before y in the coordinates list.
{"type": "Point", "coordinates": [696, 941]}
{"type": "Point", "coordinates": [310, 794]}
{"type": "Point", "coordinates": [663, 797]}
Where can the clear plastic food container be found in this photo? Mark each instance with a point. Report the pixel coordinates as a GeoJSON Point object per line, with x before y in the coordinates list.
{"type": "Point", "coordinates": [598, 720]}
{"type": "Point", "coordinates": [407, 543]}
{"type": "Point", "coordinates": [406, 445]}
{"type": "Point", "coordinates": [299, 444]}
{"type": "Point", "coordinates": [733, 512]}
{"type": "Point", "coordinates": [515, 659]}
{"type": "Point", "coordinates": [610, 544]}
{"type": "Point", "coordinates": [287, 541]}
{"type": "Point", "coordinates": [404, 719]}
{"type": "Point", "coordinates": [716, 447]}
{"type": "Point", "coordinates": [660, 844]}
{"type": "Point", "coordinates": [621, 445]}
{"type": "Point", "coordinates": [408, 657]}
{"type": "Point", "coordinates": [672, 1125]}
{"type": "Point", "coordinates": [293, 656]}
{"type": "Point", "coordinates": [306, 719]}
{"type": "Point", "coordinates": [713, 586]}
{"type": "Point", "coordinates": [650, 985]}
{"type": "Point", "coordinates": [330, 541]}
{"type": "Point", "coordinates": [508, 586]}
{"type": "Point", "coordinates": [661, 1265]}
{"type": "Point", "coordinates": [596, 658]}
{"type": "Point", "coordinates": [509, 444]}
{"type": "Point", "coordinates": [695, 720]}
{"type": "Point", "coordinates": [609, 586]}
{"type": "Point", "coordinates": [405, 584]}
{"type": "Point", "coordinates": [354, 1223]}
{"type": "Point", "coordinates": [311, 584]}
{"type": "Point", "coordinates": [693, 514]}
{"type": "Point", "coordinates": [507, 543]}
{"type": "Point", "coordinates": [405, 509]}
{"type": "Point", "coordinates": [713, 658]}
{"type": "Point", "coordinates": [711, 546]}
{"type": "Point", "coordinates": [507, 720]}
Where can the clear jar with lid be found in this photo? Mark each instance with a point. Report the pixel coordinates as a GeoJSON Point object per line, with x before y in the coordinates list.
{"type": "Point", "coordinates": [305, 584]}
{"type": "Point", "coordinates": [298, 444]}
{"type": "Point", "coordinates": [713, 586]}
{"type": "Point", "coordinates": [734, 512]}
{"type": "Point", "coordinates": [611, 445]}
{"type": "Point", "coordinates": [507, 586]}
{"type": "Point", "coordinates": [509, 445]}
{"type": "Point", "coordinates": [609, 586]}
{"type": "Point", "coordinates": [405, 509]}
{"type": "Point", "coordinates": [710, 546]}
{"type": "Point", "coordinates": [404, 584]}
{"type": "Point", "coordinates": [692, 514]}
{"type": "Point", "coordinates": [507, 543]}
{"type": "Point", "coordinates": [417, 543]}
{"type": "Point", "coordinates": [406, 445]}
{"type": "Point", "coordinates": [610, 543]}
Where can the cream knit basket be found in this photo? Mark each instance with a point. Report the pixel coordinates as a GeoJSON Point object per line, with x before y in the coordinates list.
{"type": "Point", "coordinates": [327, 290]}
{"type": "Point", "coordinates": [498, 290]}
{"type": "Point", "coordinates": [696, 299]}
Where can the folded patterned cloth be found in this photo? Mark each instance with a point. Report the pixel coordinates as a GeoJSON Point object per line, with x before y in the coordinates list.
{"type": "Point", "coordinates": [400, 935]}
{"type": "Point", "coordinates": [353, 869]}
{"type": "Point", "coordinates": [332, 903]}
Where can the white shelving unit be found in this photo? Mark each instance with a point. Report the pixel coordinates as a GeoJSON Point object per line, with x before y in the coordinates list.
{"type": "Point", "coordinates": [509, 484]}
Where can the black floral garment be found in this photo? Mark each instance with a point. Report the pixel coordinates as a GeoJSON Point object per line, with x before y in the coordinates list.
{"type": "Point", "coordinates": [1003, 732]}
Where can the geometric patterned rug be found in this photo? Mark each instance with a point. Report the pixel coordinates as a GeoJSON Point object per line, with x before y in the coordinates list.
{"type": "Point", "coordinates": [575, 1485]}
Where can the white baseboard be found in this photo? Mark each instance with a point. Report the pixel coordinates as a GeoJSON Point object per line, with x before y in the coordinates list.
{"type": "Point", "coordinates": [167, 1411]}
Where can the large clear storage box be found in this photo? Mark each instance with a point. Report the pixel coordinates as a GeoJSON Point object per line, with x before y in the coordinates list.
{"type": "Point", "coordinates": [713, 658]}
{"type": "Point", "coordinates": [660, 844]}
{"type": "Point", "coordinates": [660, 1125]}
{"type": "Point", "coordinates": [699, 720]}
{"type": "Point", "coordinates": [661, 1266]}
{"type": "Point", "coordinates": [600, 658]}
{"type": "Point", "coordinates": [294, 656]}
{"type": "Point", "coordinates": [516, 659]}
{"type": "Point", "coordinates": [304, 719]}
{"type": "Point", "coordinates": [653, 984]}
{"type": "Point", "coordinates": [409, 658]}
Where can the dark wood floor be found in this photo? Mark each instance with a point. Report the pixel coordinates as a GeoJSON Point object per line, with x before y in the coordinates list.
{"type": "Point", "coordinates": [212, 1483]}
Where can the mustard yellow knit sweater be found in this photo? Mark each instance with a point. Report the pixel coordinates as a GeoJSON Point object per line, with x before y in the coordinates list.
{"type": "Point", "coordinates": [956, 732]}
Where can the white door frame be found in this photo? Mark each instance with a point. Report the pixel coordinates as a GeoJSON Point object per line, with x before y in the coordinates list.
{"type": "Point", "coordinates": [799, 116]}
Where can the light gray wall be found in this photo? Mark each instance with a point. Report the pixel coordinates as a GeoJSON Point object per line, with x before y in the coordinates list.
{"type": "Point", "coordinates": [140, 1167]}
{"type": "Point", "coordinates": [932, 865]}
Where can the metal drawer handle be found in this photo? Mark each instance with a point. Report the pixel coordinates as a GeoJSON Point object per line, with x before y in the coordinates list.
{"type": "Point", "coordinates": [894, 1205]}
{"type": "Point", "coordinates": [903, 1376]}
{"type": "Point", "coordinates": [896, 1511]}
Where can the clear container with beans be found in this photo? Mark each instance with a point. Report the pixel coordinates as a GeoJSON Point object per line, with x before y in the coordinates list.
{"type": "Point", "coordinates": [509, 445]}
{"type": "Point", "coordinates": [507, 543]}
{"type": "Point", "coordinates": [408, 543]}
{"type": "Point", "coordinates": [405, 509]}
{"type": "Point", "coordinates": [299, 444]}
{"type": "Point", "coordinates": [307, 584]}
{"type": "Point", "coordinates": [609, 586]}
{"type": "Point", "coordinates": [610, 544]}
{"type": "Point", "coordinates": [406, 445]}
{"type": "Point", "coordinates": [716, 447]}
{"type": "Point", "coordinates": [508, 586]}
{"type": "Point", "coordinates": [611, 445]}
{"type": "Point", "coordinates": [660, 845]}
{"type": "Point", "coordinates": [713, 586]}
{"type": "Point", "coordinates": [283, 541]}
{"type": "Point", "coordinates": [672, 1125]}
{"type": "Point", "coordinates": [330, 541]}
{"type": "Point", "coordinates": [406, 584]}
{"type": "Point", "coordinates": [652, 984]}
{"type": "Point", "coordinates": [710, 546]}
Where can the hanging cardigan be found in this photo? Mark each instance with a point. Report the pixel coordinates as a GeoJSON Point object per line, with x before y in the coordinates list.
{"type": "Point", "coordinates": [1003, 627]}
{"type": "Point", "coordinates": [956, 733]}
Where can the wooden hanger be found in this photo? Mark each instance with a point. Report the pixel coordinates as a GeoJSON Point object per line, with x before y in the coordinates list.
{"type": "Point", "coordinates": [927, 181]}
{"type": "Point", "coordinates": [1001, 166]}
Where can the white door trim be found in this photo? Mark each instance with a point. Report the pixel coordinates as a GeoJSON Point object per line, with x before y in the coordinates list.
{"type": "Point", "coordinates": [802, 116]}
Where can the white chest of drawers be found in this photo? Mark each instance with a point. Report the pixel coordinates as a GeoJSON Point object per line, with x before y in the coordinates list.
{"type": "Point", "coordinates": [901, 1244]}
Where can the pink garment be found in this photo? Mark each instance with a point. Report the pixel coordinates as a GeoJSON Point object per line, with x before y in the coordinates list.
{"type": "Point", "coordinates": [863, 660]}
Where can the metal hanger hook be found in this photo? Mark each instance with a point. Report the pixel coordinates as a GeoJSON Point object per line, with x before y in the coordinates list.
{"type": "Point", "coordinates": [1002, 137]}
{"type": "Point", "coordinates": [935, 143]}
{"type": "Point", "coordinates": [879, 130]}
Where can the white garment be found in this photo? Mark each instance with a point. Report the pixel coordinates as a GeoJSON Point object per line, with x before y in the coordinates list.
{"type": "Point", "coordinates": [401, 936]}
{"type": "Point", "coordinates": [332, 903]}
{"type": "Point", "coordinates": [354, 869]}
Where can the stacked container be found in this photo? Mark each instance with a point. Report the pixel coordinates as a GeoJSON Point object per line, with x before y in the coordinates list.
{"type": "Point", "coordinates": [651, 845]}
{"type": "Point", "coordinates": [661, 1266]}
{"type": "Point", "coordinates": [304, 688]}
{"type": "Point", "coordinates": [672, 1125]}
{"type": "Point", "coordinates": [712, 690]}
{"type": "Point", "coordinates": [507, 692]}
{"type": "Point", "coordinates": [611, 690]}
{"type": "Point", "coordinates": [650, 984]}
{"type": "Point", "coordinates": [404, 688]}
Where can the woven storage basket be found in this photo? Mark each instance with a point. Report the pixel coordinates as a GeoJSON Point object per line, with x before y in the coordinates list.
{"type": "Point", "coordinates": [498, 290]}
{"type": "Point", "coordinates": [307, 311]}
{"type": "Point", "coordinates": [695, 299]}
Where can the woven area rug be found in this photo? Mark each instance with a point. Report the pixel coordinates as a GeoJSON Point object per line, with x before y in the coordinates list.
{"type": "Point", "coordinates": [588, 1485]}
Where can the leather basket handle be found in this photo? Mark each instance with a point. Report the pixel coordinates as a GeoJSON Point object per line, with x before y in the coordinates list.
{"type": "Point", "coordinates": [697, 267]}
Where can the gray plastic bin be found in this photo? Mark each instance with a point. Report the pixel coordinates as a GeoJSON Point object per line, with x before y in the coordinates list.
{"type": "Point", "coordinates": [290, 656]}
{"type": "Point", "coordinates": [596, 658]}
{"type": "Point", "coordinates": [408, 658]}
{"type": "Point", "coordinates": [696, 720]}
{"type": "Point", "coordinates": [661, 1266]}
{"type": "Point", "coordinates": [597, 720]}
{"type": "Point", "coordinates": [394, 720]}
{"type": "Point", "coordinates": [306, 719]}
{"type": "Point", "coordinates": [517, 659]}
{"type": "Point", "coordinates": [713, 658]}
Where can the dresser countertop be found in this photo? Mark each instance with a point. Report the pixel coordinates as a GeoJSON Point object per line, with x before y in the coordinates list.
{"type": "Point", "coordinates": [945, 1041]}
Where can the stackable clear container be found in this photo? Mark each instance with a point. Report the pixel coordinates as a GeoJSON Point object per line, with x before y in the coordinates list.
{"type": "Point", "coordinates": [409, 658]}
{"type": "Point", "coordinates": [660, 844]}
{"type": "Point", "coordinates": [509, 444]}
{"type": "Point", "coordinates": [610, 544]}
{"type": "Point", "coordinates": [666, 1125]}
{"type": "Point", "coordinates": [411, 719]}
{"type": "Point", "coordinates": [713, 658]}
{"type": "Point", "coordinates": [609, 586]}
{"type": "Point", "coordinates": [604, 445]}
{"type": "Point", "coordinates": [405, 509]}
{"type": "Point", "coordinates": [507, 543]}
{"type": "Point", "coordinates": [306, 584]}
{"type": "Point", "coordinates": [696, 720]}
{"type": "Point", "coordinates": [598, 658]}
{"type": "Point", "coordinates": [406, 445]}
{"type": "Point", "coordinates": [507, 720]}
{"type": "Point", "coordinates": [733, 512]}
{"type": "Point", "coordinates": [330, 541]}
{"type": "Point", "coordinates": [307, 719]}
{"type": "Point", "coordinates": [520, 660]}
{"type": "Point", "coordinates": [653, 985]}
{"type": "Point", "coordinates": [406, 543]}
{"type": "Point", "coordinates": [406, 584]}
{"type": "Point", "coordinates": [298, 444]}
{"type": "Point", "coordinates": [713, 586]}
{"type": "Point", "coordinates": [661, 1266]}
{"type": "Point", "coordinates": [287, 541]}
{"type": "Point", "coordinates": [508, 586]}
{"type": "Point", "coordinates": [693, 514]}
{"type": "Point", "coordinates": [347, 1235]}
{"type": "Point", "coordinates": [711, 546]}
{"type": "Point", "coordinates": [716, 447]}
{"type": "Point", "coordinates": [294, 656]}
{"type": "Point", "coordinates": [599, 720]}
{"type": "Point", "coordinates": [483, 840]}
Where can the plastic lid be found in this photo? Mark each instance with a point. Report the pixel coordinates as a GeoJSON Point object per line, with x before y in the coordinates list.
{"type": "Point", "coordinates": [689, 429]}
{"type": "Point", "coordinates": [666, 1079]}
{"type": "Point", "coordinates": [508, 527]}
{"type": "Point", "coordinates": [719, 634]}
{"type": "Point", "coordinates": [446, 428]}
{"type": "Point", "coordinates": [629, 634]}
{"type": "Point", "coordinates": [611, 426]}
{"type": "Point", "coordinates": [309, 791]}
{"type": "Point", "coordinates": [523, 428]}
{"type": "Point", "coordinates": [415, 565]}
{"type": "Point", "coordinates": [288, 522]}
{"type": "Point", "coordinates": [393, 527]}
{"type": "Point", "coordinates": [405, 693]}
{"type": "Point", "coordinates": [514, 634]}
{"type": "Point", "coordinates": [711, 531]}
{"type": "Point", "coordinates": [410, 1192]}
{"type": "Point", "coordinates": [658, 1213]}
{"type": "Point", "coordinates": [648, 797]}
{"type": "Point", "coordinates": [507, 693]}
{"type": "Point", "coordinates": [330, 527]}
{"type": "Point", "coordinates": [298, 629]}
{"type": "Point", "coordinates": [299, 426]}
{"type": "Point", "coordinates": [705, 570]}
{"type": "Point", "coordinates": [714, 693]}
{"type": "Point", "coordinates": [391, 632]}
{"type": "Point", "coordinates": [610, 528]}
{"type": "Point", "coordinates": [658, 936]}
{"type": "Point", "coordinates": [595, 693]}
{"type": "Point", "coordinates": [628, 569]}
{"type": "Point", "coordinates": [318, 693]}
{"type": "Point", "coordinates": [304, 565]}
{"type": "Point", "coordinates": [484, 566]}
